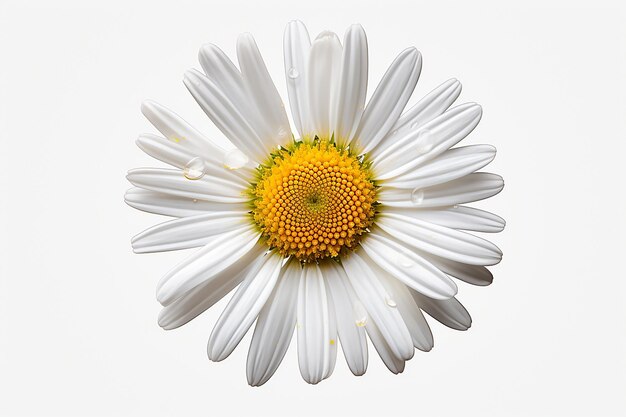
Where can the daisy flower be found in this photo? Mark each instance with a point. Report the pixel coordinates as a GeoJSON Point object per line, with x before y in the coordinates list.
{"type": "Point", "coordinates": [350, 227]}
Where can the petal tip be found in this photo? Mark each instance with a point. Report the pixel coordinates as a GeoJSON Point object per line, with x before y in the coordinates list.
{"type": "Point", "coordinates": [147, 107]}
{"type": "Point", "coordinates": [357, 27]}
{"type": "Point", "coordinates": [245, 39]}
{"type": "Point", "coordinates": [412, 53]}
{"type": "Point", "coordinates": [326, 35]}
{"type": "Point", "coordinates": [191, 75]}
{"type": "Point", "coordinates": [163, 294]}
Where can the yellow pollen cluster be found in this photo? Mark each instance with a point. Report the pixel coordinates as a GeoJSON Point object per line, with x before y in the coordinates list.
{"type": "Point", "coordinates": [313, 201]}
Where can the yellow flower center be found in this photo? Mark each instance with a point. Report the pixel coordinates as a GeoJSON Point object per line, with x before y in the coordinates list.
{"type": "Point", "coordinates": [313, 200]}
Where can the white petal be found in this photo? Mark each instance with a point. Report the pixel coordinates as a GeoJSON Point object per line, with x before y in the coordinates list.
{"type": "Point", "coordinates": [448, 312]}
{"type": "Point", "coordinates": [188, 232]}
{"type": "Point", "coordinates": [391, 361]}
{"type": "Point", "coordinates": [181, 157]}
{"type": "Point", "coordinates": [349, 100]}
{"type": "Point", "coordinates": [297, 45]}
{"type": "Point", "coordinates": [243, 309]}
{"type": "Point", "coordinates": [273, 126]}
{"type": "Point", "coordinates": [440, 240]}
{"type": "Point", "coordinates": [170, 205]}
{"type": "Point", "coordinates": [450, 165]}
{"type": "Point", "coordinates": [472, 274]}
{"type": "Point", "coordinates": [400, 296]}
{"type": "Point", "coordinates": [332, 330]}
{"type": "Point", "coordinates": [349, 319]}
{"type": "Point", "coordinates": [219, 254]}
{"type": "Point", "coordinates": [472, 187]}
{"type": "Point", "coordinates": [221, 70]}
{"type": "Point", "coordinates": [173, 181]}
{"type": "Point", "coordinates": [429, 107]}
{"type": "Point", "coordinates": [389, 99]}
{"type": "Point", "coordinates": [175, 129]}
{"type": "Point", "coordinates": [203, 296]}
{"type": "Point", "coordinates": [363, 275]}
{"type": "Point", "coordinates": [316, 343]}
{"type": "Point", "coordinates": [323, 75]}
{"type": "Point", "coordinates": [274, 327]}
{"type": "Point", "coordinates": [456, 217]}
{"type": "Point", "coordinates": [425, 143]}
{"type": "Point", "coordinates": [407, 266]}
{"type": "Point", "coordinates": [225, 115]}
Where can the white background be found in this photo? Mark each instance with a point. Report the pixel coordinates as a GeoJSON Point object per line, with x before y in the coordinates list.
{"type": "Point", "coordinates": [78, 332]}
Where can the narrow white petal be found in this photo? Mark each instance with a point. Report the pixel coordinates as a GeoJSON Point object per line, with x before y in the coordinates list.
{"type": "Point", "coordinates": [400, 296]}
{"type": "Point", "coordinates": [188, 232]}
{"type": "Point", "coordinates": [349, 100]}
{"type": "Point", "coordinates": [200, 298]}
{"type": "Point", "coordinates": [389, 99]}
{"type": "Point", "coordinates": [472, 274]}
{"type": "Point", "coordinates": [456, 217]}
{"type": "Point", "coordinates": [218, 67]}
{"type": "Point", "coordinates": [273, 126]}
{"type": "Point", "coordinates": [332, 330]}
{"type": "Point", "coordinates": [173, 181]}
{"type": "Point", "coordinates": [181, 157]}
{"type": "Point", "coordinates": [425, 143]}
{"type": "Point", "coordinates": [274, 327]}
{"type": "Point", "coordinates": [322, 79]}
{"type": "Point", "coordinates": [174, 206]}
{"type": "Point", "coordinates": [450, 165]}
{"type": "Point", "coordinates": [440, 240]}
{"type": "Point", "coordinates": [472, 187]}
{"type": "Point", "coordinates": [448, 312]}
{"type": "Point", "coordinates": [221, 70]}
{"type": "Point", "coordinates": [350, 321]}
{"type": "Point", "coordinates": [225, 115]}
{"type": "Point", "coordinates": [364, 278]}
{"type": "Point", "coordinates": [175, 129]}
{"type": "Point", "coordinates": [219, 254]}
{"type": "Point", "coordinates": [407, 266]}
{"type": "Point", "coordinates": [429, 107]}
{"type": "Point", "coordinates": [316, 343]}
{"type": "Point", "coordinates": [243, 309]}
{"type": "Point", "coordinates": [297, 45]}
{"type": "Point", "coordinates": [391, 361]}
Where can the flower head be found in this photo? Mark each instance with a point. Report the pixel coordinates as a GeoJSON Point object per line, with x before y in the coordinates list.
{"type": "Point", "coordinates": [350, 227]}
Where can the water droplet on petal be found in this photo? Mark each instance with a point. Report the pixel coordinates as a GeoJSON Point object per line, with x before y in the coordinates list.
{"type": "Point", "coordinates": [194, 169]}
{"type": "Point", "coordinates": [391, 302]}
{"type": "Point", "coordinates": [424, 142]}
{"type": "Point", "coordinates": [417, 196]}
{"type": "Point", "coordinates": [195, 200]}
{"type": "Point", "coordinates": [293, 73]}
{"type": "Point", "coordinates": [235, 159]}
